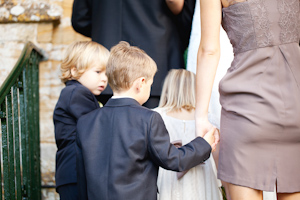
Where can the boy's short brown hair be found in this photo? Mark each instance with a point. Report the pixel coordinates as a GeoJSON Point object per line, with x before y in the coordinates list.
{"type": "Point", "coordinates": [127, 63]}
{"type": "Point", "coordinates": [82, 55]}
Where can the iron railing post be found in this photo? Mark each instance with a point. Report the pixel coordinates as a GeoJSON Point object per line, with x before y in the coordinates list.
{"type": "Point", "coordinates": [19, 113]}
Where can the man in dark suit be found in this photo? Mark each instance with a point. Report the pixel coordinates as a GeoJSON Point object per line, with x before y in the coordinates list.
{"type": "Point", "coordinates": [150, 25]}
{"type": "Point", "coordinates": [121, 146]}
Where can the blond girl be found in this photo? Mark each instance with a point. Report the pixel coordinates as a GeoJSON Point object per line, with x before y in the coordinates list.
{"type": "Point", "coordinates": [177, 108]}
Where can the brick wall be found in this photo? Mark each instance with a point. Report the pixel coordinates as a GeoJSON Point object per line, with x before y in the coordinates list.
{"type": "Point", "coordinates": [53, 34]}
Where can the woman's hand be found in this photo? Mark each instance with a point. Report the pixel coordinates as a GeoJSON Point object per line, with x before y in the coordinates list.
{"type": "Point", "coordinates": [206, 130]}
{"type": "Point", "coordinates": [202, 126]}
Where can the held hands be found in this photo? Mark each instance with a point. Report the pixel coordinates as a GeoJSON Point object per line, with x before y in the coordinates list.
{"type": "Point", "coordinates": [210, 133]}
{"type": "Point", "coordinates": [210, 138]}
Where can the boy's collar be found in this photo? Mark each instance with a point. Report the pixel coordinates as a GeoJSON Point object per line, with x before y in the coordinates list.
{"type": "Point", "coordinates": [71, 82]}
{"type": "Point", "coordinates": [123, 101]}
{"type": "Point", "coordinates": [120, 97]}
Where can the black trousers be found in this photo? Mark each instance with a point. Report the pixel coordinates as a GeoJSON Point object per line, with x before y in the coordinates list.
{"type": "Point", "coordinates": [68, 191]}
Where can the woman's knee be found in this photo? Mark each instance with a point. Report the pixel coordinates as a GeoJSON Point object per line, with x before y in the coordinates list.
{"type": "Point", "coordinates": [288, 196]}
{"type": "Point", "coordinates": [237, 192]}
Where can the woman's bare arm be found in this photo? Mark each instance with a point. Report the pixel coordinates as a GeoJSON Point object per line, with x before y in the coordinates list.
{"type": "Point", "coordinates": [207, 61]}
{"type": "Point", "coordinates": [208, 53]}
{"type": "Point", "coordinates": [175, 6]}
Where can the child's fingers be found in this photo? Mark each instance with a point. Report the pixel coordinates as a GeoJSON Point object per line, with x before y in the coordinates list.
{"type": "Point", "coordinates": [211, 131]}
{"type": "Point", "coordinates": [217, 135]}
{"type": "Point", "coordinates": [216, 142]}
{"type": "Point", "coordinates": [213, 147]}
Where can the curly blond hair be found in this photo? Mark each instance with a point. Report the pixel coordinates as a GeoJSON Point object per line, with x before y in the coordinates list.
{"type": "Point", "coordinates": [82, 55]}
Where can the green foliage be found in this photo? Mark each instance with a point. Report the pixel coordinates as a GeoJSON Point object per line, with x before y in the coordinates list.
{"type": "Point", "coordinates": [185, 57]}
{"type": "Point", "coordinates": [223, 193]}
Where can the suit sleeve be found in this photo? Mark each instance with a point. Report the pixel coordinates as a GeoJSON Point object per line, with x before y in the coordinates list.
{"type": "Point", "coordinates": [82, 102]}
{"type": "Point", "coordinates": [166, 155]}
{"type": "Point", "coordinates": [81, 177]}
{"type": "Point", "coordinates": [82, 17]}
{"type": "Point", "coordinates": [184, 21]}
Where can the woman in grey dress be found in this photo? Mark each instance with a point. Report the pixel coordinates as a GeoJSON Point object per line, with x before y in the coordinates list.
{"type": "Point", "coordinates": [260, 94]}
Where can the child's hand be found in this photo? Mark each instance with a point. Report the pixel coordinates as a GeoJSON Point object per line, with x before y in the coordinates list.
{"type": "Point", "coordinates": [210, 138]}
{"type": "Point", "coordinates": [217, 136]}
{"type": "Point", "coordinates": [202, 126]}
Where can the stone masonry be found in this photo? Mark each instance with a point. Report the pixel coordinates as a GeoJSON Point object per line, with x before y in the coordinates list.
{"type": "Point", "coordinates": [48, 25]}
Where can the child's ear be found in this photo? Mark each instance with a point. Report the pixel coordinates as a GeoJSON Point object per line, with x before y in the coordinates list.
{"type": "Point", "coordinates": [140, 83]}
{"type": "Point", "coordinates": [73, 71]}
{"type": "Point", "coordinates": [143, 80]}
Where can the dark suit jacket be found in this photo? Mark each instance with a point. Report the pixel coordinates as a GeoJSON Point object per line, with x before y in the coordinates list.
{"type": "Point", "coordinates": [74, 101]}
{"type": "Point", "coordinates": [121, 146]}
{"type": "Point", "coordinates": [150, 25]}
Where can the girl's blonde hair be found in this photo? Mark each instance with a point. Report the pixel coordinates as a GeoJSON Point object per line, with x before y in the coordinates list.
{"type": "Point", "coordinates": [82, 55]}
{"type": "Point", "coordinates": [179, 91]}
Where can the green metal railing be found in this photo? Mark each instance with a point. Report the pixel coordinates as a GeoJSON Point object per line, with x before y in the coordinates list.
{"type": "Point", "coordinates": [19, 112]}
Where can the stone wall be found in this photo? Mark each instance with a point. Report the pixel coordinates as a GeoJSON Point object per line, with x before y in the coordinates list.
{"type": "Point", "coordinates": [52, 33]}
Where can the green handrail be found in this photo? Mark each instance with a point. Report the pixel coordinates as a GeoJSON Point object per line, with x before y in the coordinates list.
{"type": "Point", "coordinates": [19, 113]}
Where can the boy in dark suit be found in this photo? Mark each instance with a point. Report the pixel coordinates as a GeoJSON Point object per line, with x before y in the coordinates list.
{"type": "Point", "coordinates": [121, 146]}
{"type": "Point", "coordinates": [83, 72]}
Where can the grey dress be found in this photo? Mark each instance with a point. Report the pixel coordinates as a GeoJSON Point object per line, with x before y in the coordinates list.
{"type": "Point", "coordinates": [260, 96]}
